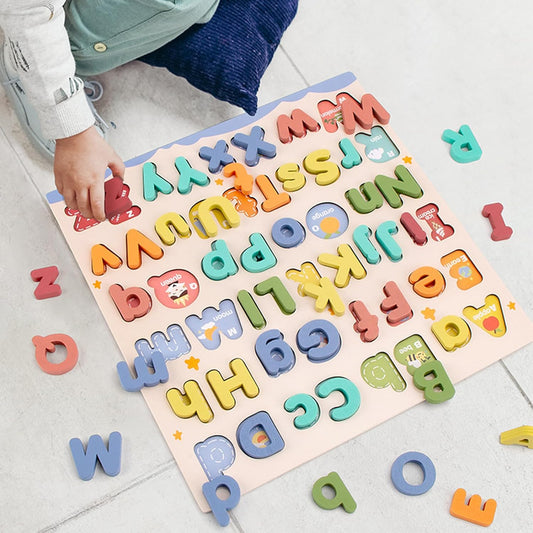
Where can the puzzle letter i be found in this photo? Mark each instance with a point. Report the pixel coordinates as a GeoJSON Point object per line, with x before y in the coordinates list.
{"type": "Point", "coordinates": [277, 281]}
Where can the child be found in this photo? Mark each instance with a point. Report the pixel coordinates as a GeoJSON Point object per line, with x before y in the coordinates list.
{"type": "Point", "coordinates": [48, 45]}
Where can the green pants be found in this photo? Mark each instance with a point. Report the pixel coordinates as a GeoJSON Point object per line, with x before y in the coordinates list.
{"type": "Point", "coordinates": [107, 33]}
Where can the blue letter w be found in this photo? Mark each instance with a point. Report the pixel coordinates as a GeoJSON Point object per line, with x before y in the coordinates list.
{"type": "Point", "coordinates": [96, 449]}
{"type": "Point", "coordinates": [145, 378]}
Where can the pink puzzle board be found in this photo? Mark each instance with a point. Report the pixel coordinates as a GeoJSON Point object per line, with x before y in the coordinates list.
{"type": "Point", "coordinates": [295, 273]}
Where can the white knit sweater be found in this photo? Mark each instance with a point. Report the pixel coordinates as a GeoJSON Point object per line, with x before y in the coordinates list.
{"type": "Point", "coordinates": [102, 34]}
{"type": "Point", "coordinates": [39, 50]}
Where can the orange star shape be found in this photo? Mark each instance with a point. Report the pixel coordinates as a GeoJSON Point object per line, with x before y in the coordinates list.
{"type": "Point", "coordinates": [512, 305]}
{"type": "Point", "coordinates": [192, 362]}
{"type": "Point", "coordinates": [428, 313]}
{"type": "Point", "coordinates": [97, 284]}
{"type": "Point", "coordinates": [219, 181]}
{"type": "Point", "coordinates": [177, 435]}
{"type": "Point", "coordinates": [407, 159]}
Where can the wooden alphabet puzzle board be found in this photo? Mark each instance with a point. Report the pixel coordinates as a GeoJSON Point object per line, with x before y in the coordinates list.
{"type": "Point", "coordinates": [299, 279]}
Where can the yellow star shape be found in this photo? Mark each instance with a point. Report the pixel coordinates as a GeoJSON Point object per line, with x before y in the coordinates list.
{"type": "Point", "coordinates": [428, 313]}
{"type": "Point", "coordinates": [177, 435]}
{"type": "Point", "coordinates": [512, 305]}
{"type": "Point", "coordinates": [219, 181]}
{"type": "Point", "coordinates": [407, 159]}
{"type": "Point", "coordinates": [97, 284]}
{"type": "Point", "coordinates": [192, 362]}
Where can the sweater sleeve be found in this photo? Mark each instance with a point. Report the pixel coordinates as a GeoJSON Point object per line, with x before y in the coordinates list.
{"type": "Point", "coordinates": [39, 50]}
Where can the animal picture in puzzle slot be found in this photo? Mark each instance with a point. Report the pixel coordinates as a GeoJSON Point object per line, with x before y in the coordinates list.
{"type": "Point", "coordinates": [378, 146]}
{"type": "Point", "coordinates": [175, 289]}
{"type": "Point", "coordinates": [413, 352]}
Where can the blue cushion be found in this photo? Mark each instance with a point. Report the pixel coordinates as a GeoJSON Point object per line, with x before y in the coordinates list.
{"type": "Point", "coordinates": [228, 56]}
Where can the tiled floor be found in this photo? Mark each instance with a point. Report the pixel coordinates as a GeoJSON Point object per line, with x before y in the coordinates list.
{"type": "Point", "coordinates": [435, 65]}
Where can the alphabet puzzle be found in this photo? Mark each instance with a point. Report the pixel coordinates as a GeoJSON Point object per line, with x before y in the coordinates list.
{"type": "Point", "coordinates": [279, 284]}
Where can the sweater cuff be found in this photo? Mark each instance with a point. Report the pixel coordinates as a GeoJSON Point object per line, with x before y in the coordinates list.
{"type": "Point", "coordinates": [67, 118]}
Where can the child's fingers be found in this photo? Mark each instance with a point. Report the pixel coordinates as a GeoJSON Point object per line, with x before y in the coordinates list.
{"type": "Point", "coordinates": [117, 167]}
{"type": "Point", "coordinates": [96, 196]}
{"type": "Point", "coordinates": [70, 198]}
{"type": "Point", "coordinates": [84, 206]}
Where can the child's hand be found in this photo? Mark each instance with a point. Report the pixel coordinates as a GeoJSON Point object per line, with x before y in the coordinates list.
{"type": "Point", "coordinates": [80, 163]}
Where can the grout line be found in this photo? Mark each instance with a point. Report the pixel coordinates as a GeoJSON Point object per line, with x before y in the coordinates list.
{"type": "Point", "coordinates": [110, 497]}
{"type": "Point", "coordinates": [164, 467]}
{"type": "Point", "coordinates": [235, 522]}
{"type": "Point", "coordinates": [513, 379]}
{"type": "Point", "coordinates": [294, 65]}
{"type": "Point", "coordinates": [27, 172]}
{"type": "Point", "coordinates": [40, 195]}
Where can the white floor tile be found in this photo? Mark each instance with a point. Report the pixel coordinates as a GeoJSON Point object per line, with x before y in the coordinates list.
{"type": "Point", "coordinates": [157, 504]}
{"type": "Point", "coordinates": [461, 437]}
{"type": "Point", "coordinates": [434, 65]}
